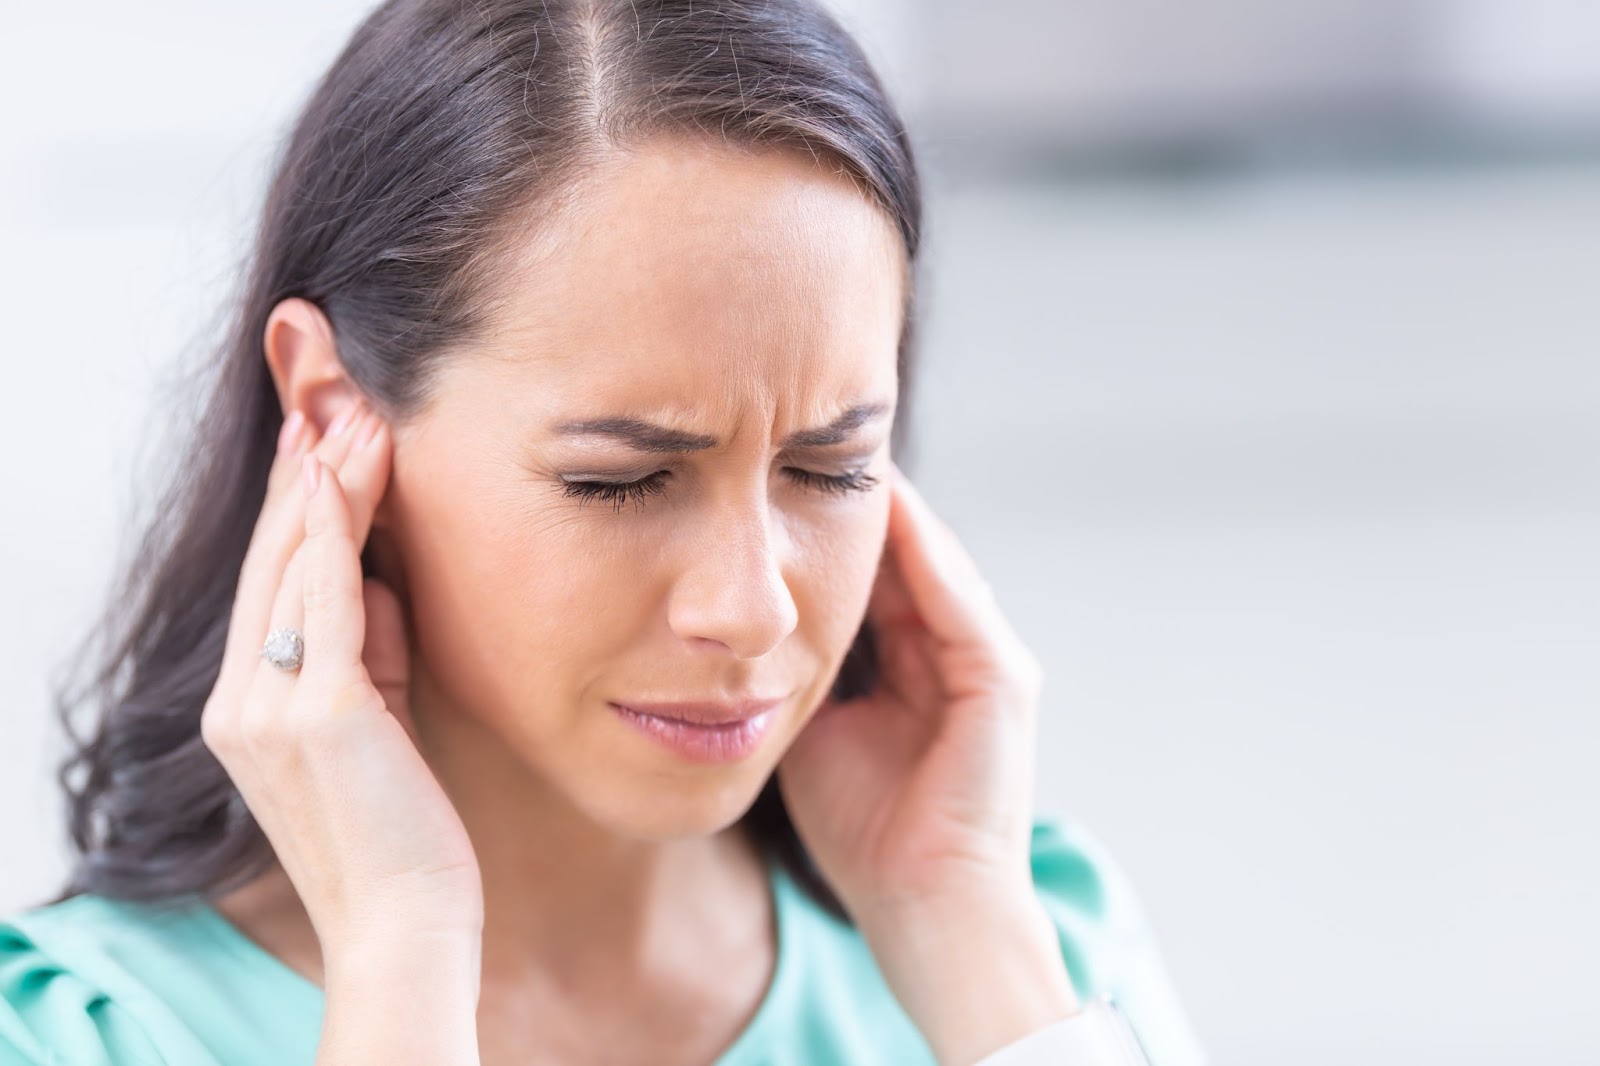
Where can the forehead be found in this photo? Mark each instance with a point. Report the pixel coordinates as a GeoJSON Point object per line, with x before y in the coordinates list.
{"type": "Point", "coordinates": [685, 270]}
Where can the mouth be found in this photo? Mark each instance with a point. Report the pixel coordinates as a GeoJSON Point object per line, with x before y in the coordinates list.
{"type": "Point", "coordinates": [704, 732]}
{"type": "Point", "coordinates": [704, 713]}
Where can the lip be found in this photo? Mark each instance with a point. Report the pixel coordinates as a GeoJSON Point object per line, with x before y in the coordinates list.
{"type": "Point", "coordinates": [729, 741]}
{"type": "Point", "coordinates": [703, 713]}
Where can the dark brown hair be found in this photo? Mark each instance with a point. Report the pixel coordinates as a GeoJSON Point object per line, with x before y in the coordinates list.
{"type": "Point", "coordinates": [438, 128]}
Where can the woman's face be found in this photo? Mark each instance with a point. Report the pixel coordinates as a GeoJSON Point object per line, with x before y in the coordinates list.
{"type": "Point", "coordinates": [739, 298]}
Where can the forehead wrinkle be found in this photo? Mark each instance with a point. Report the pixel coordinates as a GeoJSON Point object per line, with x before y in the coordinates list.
{"type": "Point", "coordinates": [664, 436]}
{"type": "Point", "coordinates": [756, 334]}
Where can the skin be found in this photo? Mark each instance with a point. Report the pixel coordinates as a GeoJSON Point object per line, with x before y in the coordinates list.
{"type": "Point", "coordinates": [736, 295]}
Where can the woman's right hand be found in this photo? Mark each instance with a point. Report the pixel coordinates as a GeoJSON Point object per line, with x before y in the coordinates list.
{"type": "Point", "coordinates": [325, 758]}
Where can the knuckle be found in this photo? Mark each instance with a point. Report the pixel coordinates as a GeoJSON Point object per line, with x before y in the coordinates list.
{"type": "Point", "coordinates": [296, 564]}
{"type": "Point", "coordinates": [323, 522]}
{"type": "Point", "coordinates": [352, 693]}
{"type": "Point", "coordinates": [256, 730]}
{"type": "Point", "coordinates": [322, 594]}
{"type": "Point", "coordinates": [264, 540]}
{"type": "Point", "coordinates": [215, 731]}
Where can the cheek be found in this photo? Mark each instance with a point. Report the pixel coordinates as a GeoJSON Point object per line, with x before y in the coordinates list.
{"type": "Point", "coordinates": [838, 565]}
{"type": "Point", "coordinates": [592, 568]}
{"type": "Point", "coordinates": [513, 604]}
{"type": "Point", "coordinates": [559, 583]}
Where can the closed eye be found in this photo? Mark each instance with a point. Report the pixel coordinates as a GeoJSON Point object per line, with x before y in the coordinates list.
{"type": "Point", "coordinates": [619, 492]}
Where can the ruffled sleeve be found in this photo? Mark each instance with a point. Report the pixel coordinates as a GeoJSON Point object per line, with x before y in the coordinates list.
{"type": "Point", "coordinates": [76, 988]}
{"type": "Point", "coordinates": [1106, 940]}
{"type": "Point", "coordinates": [52, 1017]}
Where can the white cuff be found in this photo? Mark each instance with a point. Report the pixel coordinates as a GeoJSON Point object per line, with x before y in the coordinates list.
{"type": "Point", "coordinates": [1092, 1037]}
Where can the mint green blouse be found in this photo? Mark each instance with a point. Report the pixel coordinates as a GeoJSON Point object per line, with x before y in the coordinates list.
{"type": "Point", "coordinates": [92, 981]}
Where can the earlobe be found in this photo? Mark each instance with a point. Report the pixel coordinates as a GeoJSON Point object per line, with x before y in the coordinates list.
{"type": "Point", "coordinates": [303, 358]}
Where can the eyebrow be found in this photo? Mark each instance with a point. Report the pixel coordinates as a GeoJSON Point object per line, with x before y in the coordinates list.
{"type": "Point", "coordinates": [648, 437]}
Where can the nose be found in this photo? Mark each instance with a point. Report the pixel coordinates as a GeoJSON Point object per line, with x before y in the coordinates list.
{"type": "Point", "coordinates": [734, 593]}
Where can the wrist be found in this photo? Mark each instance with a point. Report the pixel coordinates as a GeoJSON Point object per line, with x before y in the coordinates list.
{"type": "Point", "coordinates": [410, 999]}
{"type": "Point", "coordinates": [425, 958]}
{"type": "Point", "coordinates": [976, 974]}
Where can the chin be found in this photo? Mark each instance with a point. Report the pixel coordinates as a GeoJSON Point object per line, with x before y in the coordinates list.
{"type": "Point", "coordinates": [675, 810]}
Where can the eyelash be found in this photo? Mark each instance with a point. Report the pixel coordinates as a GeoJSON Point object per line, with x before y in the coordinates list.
{"type": "Point", "coordinates": [618, 492]}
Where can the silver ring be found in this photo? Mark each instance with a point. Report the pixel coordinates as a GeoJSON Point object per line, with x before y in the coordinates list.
{"type": "Point", "coordinates": [285, 648]}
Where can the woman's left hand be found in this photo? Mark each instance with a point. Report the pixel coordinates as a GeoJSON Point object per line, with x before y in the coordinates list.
{"type": "Point", "coordinates": [923, 789]}
{"type": "Point", "coordinates": [916, 800]}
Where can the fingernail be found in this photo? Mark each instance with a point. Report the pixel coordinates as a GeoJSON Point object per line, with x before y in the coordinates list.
{"type": "Point", "coordinates": [342, 420]}
{"type": "Point", "coordinates": [368, 431]}
{"type": "Point", "coordinates": [289, 435]}
{"type": "Point", "coordinates": [313, 471]}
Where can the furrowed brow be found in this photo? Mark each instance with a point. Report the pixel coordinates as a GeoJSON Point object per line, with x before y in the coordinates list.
{"type": "Point", "coordinates": [648, 437]}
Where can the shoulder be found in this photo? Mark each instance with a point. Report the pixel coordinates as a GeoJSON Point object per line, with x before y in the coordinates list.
{"type": "Point", "coordinates": [92, 979]}
{"type": "Point", "coordinates": [50, 1012]}
{"type": "Point", "coordinates": [1107, 940]}
{"type": "Point", "coordinates": [828, 1001]}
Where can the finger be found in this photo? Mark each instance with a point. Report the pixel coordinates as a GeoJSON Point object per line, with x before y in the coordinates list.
{"type": "Point", "coordinates": [891, 606]}
{"type": "Point", "coordinates": [330, 444]}
{"type": "Point", "coordinates": [335, 618]}
{"type": "Point", "coordinates": [278, 531]}
{"type": "Point", "coordinates": [288, 611]}
{"type": "Point", "coordinates": [948, 589]}
{"type": "Point", "coordinates": [387, 653]}
{"type": "Point", "coordinates": [907, 667]}
{"type": "Point", "coordinates": [280, 525]}
{"type": "Point", "coordinates": [364, 474]}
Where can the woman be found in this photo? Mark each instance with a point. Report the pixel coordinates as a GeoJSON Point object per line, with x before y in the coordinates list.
{"type": "Point", "coordinates": [541, 658]}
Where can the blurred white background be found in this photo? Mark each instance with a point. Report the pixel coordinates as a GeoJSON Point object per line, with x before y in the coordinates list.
{"type": "Point", "coordinates": [1260, 371]}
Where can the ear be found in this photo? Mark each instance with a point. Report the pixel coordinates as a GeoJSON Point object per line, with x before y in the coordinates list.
{"type": "Point", "coordinates": [303, 359]}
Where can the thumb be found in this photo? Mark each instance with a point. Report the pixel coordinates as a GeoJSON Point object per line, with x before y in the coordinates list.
{"type": "Point", "coordinates": [387, 650]}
